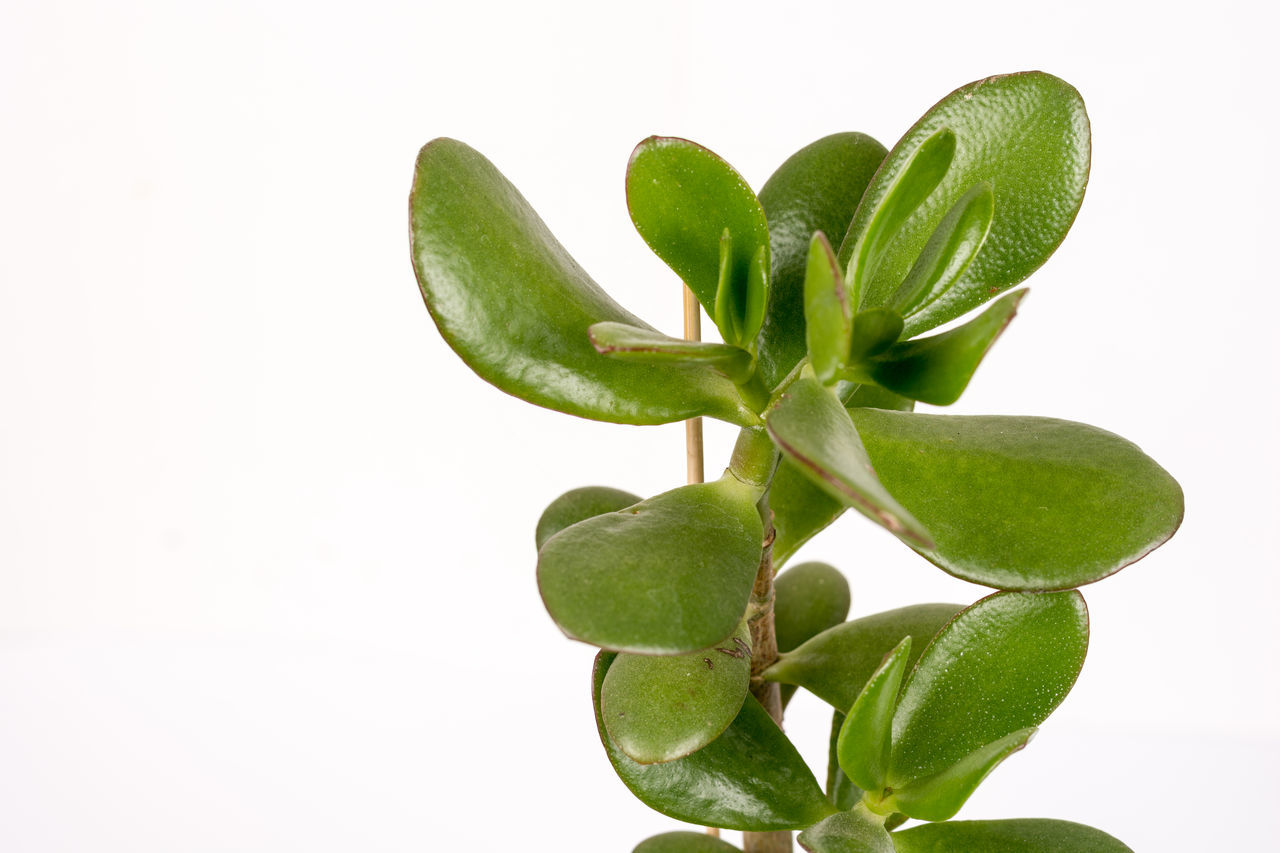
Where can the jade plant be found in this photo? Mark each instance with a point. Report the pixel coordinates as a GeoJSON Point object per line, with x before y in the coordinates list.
{"type": "Point", "coordinates": [827, 288]}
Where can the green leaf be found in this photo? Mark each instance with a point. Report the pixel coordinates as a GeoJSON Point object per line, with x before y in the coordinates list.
{"type": "Point", "coordinates": [683, 199]}
{"type": "Point", "coordinates": [659, 708]}
{"type": "Point", "coordinates": [923, 170]}
{"type": "Point", "coordinates": [1025, 134]}
{"type": "Point", "coordinates": [828, 311]}
{"type": "Point", "coordinates": [809, 599]}
{"type": "Point", "coordinates": [618, 340]}
{"type": "Point", "coordinates": [836, 664]}
{"type": "Point", "coordinates": [813, 430]}
{"type": "Point", "coordinates": [667, 576]}
{"type": "Point", "coordinates": [1028, 835]}
{"type": "Point", "coordinates": [578, 505]}
{"type": "Point", "coordinates": [1023, 503]}
{"type": "Point", "coordinates": [875, 397]}
{"type": "Point", "coordinates": [1002, 665]}
{"type": "Point", "coordinates": [750, 778]}
{"type": "Point", "coordinates": [516, 307]}
{"type": "Point", "coordinates": [840, 790]}
{"type": "Point", "coordinates": [874, 331]}
{"type": "Point", "coordinates": [684, 842]}
{"type": "Point", "coordinates": [937, 369]}
{"type": "Point", "coordinates": [855, 831]}
{"type": "Point", "coordinates": [863, 747]}
{"type": "Point", "coordinates": [816, 189]}
{"type": "Point", "coordinates": [940, 796]}
{"type": "Point", "coordinates": [950, 249]}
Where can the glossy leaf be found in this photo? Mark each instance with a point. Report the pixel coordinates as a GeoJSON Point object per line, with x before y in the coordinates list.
{"type": "Point", "coordinates": [809, 599]}
{"type": "Point", "coordinates": [937, 369]}
{"type": "Point", "coordinates": [684, 842]}
{"type": "Point", "coordinates": [874, 397]}
{"type": "Point", "coordinates": [635, 343]}
{"type": "Point", "coordinates": [863, 747]}
{"type": "Point", "coordinates": [950, 249]}
{"type": "Point", "coordinates": [578, 505]}
{"type": "Point", "coordinates": [828, 311]}
{"type": "Point", "coordinates": [516, 307]}
{"type": "Point", "coordinates": [1025, 134]}
{"type": "Point", "coordinates": [816, 189]}
{"type": "Point", "coordinates": [1023, 503]}
{"type": "Point", "coordinates": [750, 778]}
{"type": "Point", "coordinates": [801, 510]}
{"type": "Point", "coordinates": [1002, 665]}
{"type": "Point", "coordinates": [840, 790]}
{"type": "Point", "coordinates": [836, 664]}
{"type": "Point", "coordinates": [659, 708]}
{"type": "Point", "coordinates": [813, 430]}
{"type": "Point", "coordinates": [1028, 835]}
{"type": "Point", "coordinates": [923, 170]}
{"type": "Point", "coordinates": [683, 198]}
{"type": "Point", "coordinates": [940, 796]}
{"type": "Point", "coordinates": [874, 331]}
{"type": "Point", "coordinates": [853, 831]}
{"type": "Point", "coordinates": [670, 575]}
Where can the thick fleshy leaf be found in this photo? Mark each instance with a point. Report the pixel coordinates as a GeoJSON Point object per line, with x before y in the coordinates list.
{"type": "Point", "coordinates": [516, 307]}
{"type": "Point", "coordinates": [1028, 136]}
{"type": "Point", "coordinates": [1028, 835]}
{"type": "Point", "coordinates": [840, 790]}
{"type": "Point", "coordinates": [836, 664]}
{"type": "Point", "coordinates": [635, 343]}
{"type": "Point", "coordinates": [874, 331]}
{"type": "Point", "coordinates": [683, 198]}
{"type": "Point", "coordinates": [578, 505]}
{"type": "Point", "coordinates": [670, 575]}
{"type": "Point", "coordinates": [940, 796]}
{"type": "Point", "coordinates": [853, 831]}
{"type": "Point", "coordinates": [684, 842]}
{"type": "Point", "coordinates": [813, 430]}
{"type": "Point", "coordinates": [809, 599]}
{"type": "Point", "coordinates": [659, 708]}
{"type": "Point", "coordinates": [1019, 502]}
{"type": "Point", "coordinates": [874, 397]}
{"type": "Point", "coordinates": [750, 778]}
{"type": "Point", "coordinates": [828, 311]}
{"type": "Point", "coordinates": [937, 369]}
{"type": "Point", "coordinates": [816, 189]}
{"type": "Point", "coordinates": [1002, 665]}
{"type": "Point", "coordinates": [950, 249]}
{"type": "Point", "coordinates": [863, 747]}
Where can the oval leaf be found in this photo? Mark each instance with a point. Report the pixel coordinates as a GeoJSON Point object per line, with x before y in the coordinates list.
{"type": "Point", "coordinates": [516, 307]}
{"type": "Point", "coordinates": [578, 505]}
{"type": "Point", "coordinates": [670, 575]}
{"type": "Point", "coordinates": [813, 430]}
{"type": "Point", "coordinates": [853, 831]}
{"type": "Point", "coordinates": [1023, 503]}
{"type": "Point", "coordinates": [659, 708]}
{"type": "Point", "coordinates": [750, 778]}
{"type": "Point", "coordinates": [683, 199]}
{"type": "Point", "coordinates": [809, 599]}
{"type": "Point", "coordinates": [863, 747]}
{"type": "Point", "coordinates": [940, 796]}
{"type": "Point", "coordinates": [816, 189]}
{"type": "Point", "coordinates": [836, 664]}
{"type": "Point", "coordinates": [684, 842]}
{"type": "Point", "coordinates": [951, 248]}
{"type": "Point", "coordinates": [1029, 835]}
{"type": "Point", "coordinates": [1025, 134]}
{"type": "Point", "coordinates": [1002, 665]}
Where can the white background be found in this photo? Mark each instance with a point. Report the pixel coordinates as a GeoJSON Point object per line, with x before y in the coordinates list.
{"type": "Point", "coordinates": [266, 545]}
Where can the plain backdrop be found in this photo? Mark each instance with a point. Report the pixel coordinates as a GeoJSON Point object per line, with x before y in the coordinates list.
{"type": "Point", "coordinates": [266, 544]}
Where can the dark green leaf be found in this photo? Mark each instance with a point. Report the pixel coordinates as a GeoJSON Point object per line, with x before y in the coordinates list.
{"type": "Point", "coordinates": [659, 708]}
{"type": "Point", "coordinates": [813, 430]}
{"type": "Point", "coordinates": [635, 343]}
{"type": "Point", "coordinates": [816, 189]}
{"type": "Point", "coordinates": [855, 831]}
{"type": "Point", "coordinates": [940, 796]}
{"type": "Point", "coordinates": [683, 198]}
{"type": "Point", "coordinates": [515, 306]}
{"type": "Point", "coordinates": [1002, 665]}
{"type": "Point", "coordinates": [874, 331]}
{"type": "Point", "coordinates": [1029, 835]}
{"type": "Point", "coordinates": [840, 790]}
{"type": "Point", "coordinates": [684, 842]}
{"type": "Point", "coordinates": [951, 248]}
{"type": "Point", "coordinates": [809, 599]}
{"type": "Point", "coordinates": [800, 510]}
{"type": "Point", "coordinates": [837, 663]}
{"type": "Point", "coordinates": [578, 505]}
{"type": "Point", "coordinates": [750, 778]}
{"type": "Point", "coordinates": [1023, 503]}
{"type": "Point", "coordinates": [937, 369]}
{"type": "Point", "coordinates": [828, 311]}
{"type": "Point", "coordinates": [1025, 134]}
{"type": "Point", "coordinates": [863, 748]}
{"type": "Point", "coordinates": [670, 575]}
